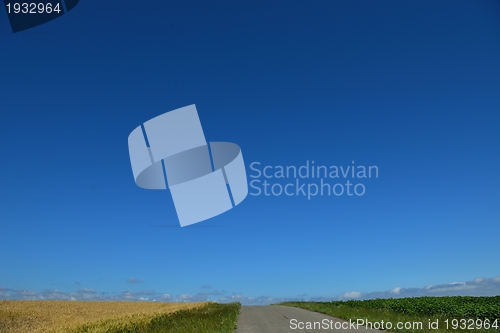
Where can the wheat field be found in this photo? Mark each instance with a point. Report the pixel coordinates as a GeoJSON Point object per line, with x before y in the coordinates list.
{"type": "Point", "coordinates": [81, 316]}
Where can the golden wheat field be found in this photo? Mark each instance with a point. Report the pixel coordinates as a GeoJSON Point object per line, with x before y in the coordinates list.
{"type": "Point", "coordinates": [67, 316]}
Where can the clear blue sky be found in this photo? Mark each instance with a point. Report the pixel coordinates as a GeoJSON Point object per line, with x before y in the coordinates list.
{"type": "Point", "coordinates": [409, 86]}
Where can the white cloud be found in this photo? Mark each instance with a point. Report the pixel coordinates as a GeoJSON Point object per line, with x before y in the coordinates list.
{"type": "Point", "coordinates": [477, 287]}
{"type": "Point", "coordinates": [134, 280]}
{"type": "Point", "coordinates": [396, 290]}
{"type": "Point", "coordinates": [165, 298]}
{"type": "Point", "coordinates": [51, 295]}
{"type": "Point", "coordinates": [199, 297]}
{"type": "Point", "coordinates": [351, 294]}
{"type": "Point", "coordinates": [26, 293]}
{"type": "Point", "coordinates": [87, 291]}
{"type": "Point", "coordinates": [185, 298]}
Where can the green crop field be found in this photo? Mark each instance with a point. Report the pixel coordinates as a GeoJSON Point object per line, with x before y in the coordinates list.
{"type": "Point", "coordinates": [420, 314]}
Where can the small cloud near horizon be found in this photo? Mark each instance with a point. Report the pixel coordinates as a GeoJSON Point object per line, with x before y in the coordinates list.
{"type": "Point", "coordinates": [134, 280]}
{"type": "Point", "coordinates": [477, 287]}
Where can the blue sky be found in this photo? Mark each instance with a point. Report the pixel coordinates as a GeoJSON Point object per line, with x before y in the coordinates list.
{"type": "Point", "coordinates": [411, 87]}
